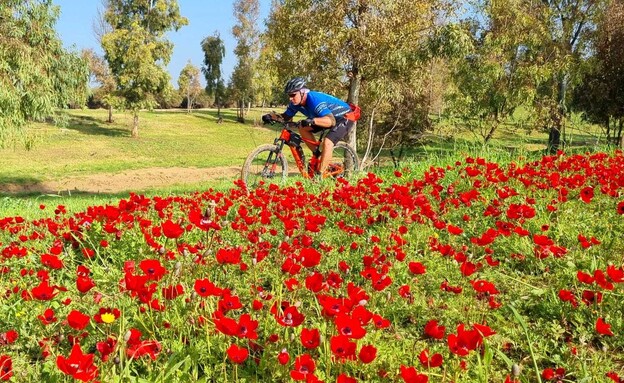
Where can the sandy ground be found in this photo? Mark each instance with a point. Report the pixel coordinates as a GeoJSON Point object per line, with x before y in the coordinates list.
{"type": "Point", "coordinates": [141, 179]}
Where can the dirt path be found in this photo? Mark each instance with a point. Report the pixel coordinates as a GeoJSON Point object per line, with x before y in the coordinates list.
{"type": "Point", "coordinates": [140, 179]}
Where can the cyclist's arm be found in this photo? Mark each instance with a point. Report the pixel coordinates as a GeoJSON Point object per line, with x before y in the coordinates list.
{"type": "Point", "coordinates": [326, 121]}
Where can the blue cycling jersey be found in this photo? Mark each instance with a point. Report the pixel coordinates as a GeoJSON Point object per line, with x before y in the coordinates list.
{"type": "Point", "coordinates": [320, 104]}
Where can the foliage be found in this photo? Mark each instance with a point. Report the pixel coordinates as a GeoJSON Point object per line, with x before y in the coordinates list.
{"type": "Point", "coordinates": [99, 73]}
{"type": "Point", "coordinates": [601, 94]}
{"type": "Point", "coordinates": [189, 85]}
{"type": "Point", "coordinates": [214, 51]}
{"type": "Point", "coordinates": [570, 26]}
{"type": "Point", "coordinates": [37, 75]}
{"type": "Point", "coordinates": [245, 31]}
{"type": "Point", "coordinates": [370, 53]}
{"type": "Point", "coordinates": [137, 50]}
{"type": "Point", "coordinates": [499, 71]}
{"type": "Point", "coordinates": [450, 272]}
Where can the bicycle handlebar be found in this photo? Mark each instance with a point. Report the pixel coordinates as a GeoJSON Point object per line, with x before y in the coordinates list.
{"type": "Point", "coordinates": [285, 124]}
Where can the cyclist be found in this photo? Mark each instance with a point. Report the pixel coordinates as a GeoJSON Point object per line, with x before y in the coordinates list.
{"type": "Point", "coordinates": [322, 111]}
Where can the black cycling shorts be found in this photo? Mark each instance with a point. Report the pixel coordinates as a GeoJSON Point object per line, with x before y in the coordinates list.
{"type": "Point", "coordinates": [338, 132]}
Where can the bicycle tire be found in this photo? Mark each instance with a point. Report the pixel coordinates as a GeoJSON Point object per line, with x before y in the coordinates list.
{"type": "Point", "coordinates": [264, 163]}
{"type": "Point", "coordinates": [345, 162]}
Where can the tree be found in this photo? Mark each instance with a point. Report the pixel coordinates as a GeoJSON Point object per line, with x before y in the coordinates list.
{"type": "Point", "coordinates": [100, 73]}
{"type": "Point", "coordinates": [214, 51]}
{"type": "Point", "coordinates": [246, 13]}
{"type": "Point", "coordinates": [570, 26]}
{"type": "Point", "coordinates": [367, 47]}
{"type": "Point", "coordinates": [188, 84]}
{"type": "Point", "coordinates": [499, 70]}
{"type": "Point", "coordinates": [601, 94]}
{"type": "Point", "coordinates": [37, 76]}
{"type": "Point", "coordinates": [137, 50]}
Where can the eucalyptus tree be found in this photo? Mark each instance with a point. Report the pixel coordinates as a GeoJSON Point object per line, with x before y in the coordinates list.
{"type": "Point", "coordinates": [37, 75]}
{"type": "Point", "coordinates": [570, 25]}
{"type": "Point", "coordinates": [601, 94]}
{"type": "Point", "coordinates": [137, 50]}
{"type": "Point", "coordinates": [100, 73]}
{"type": "Point", "coordinates": [246, 33]}
{"type": "Point", "coordinates": [188, 84]}
{"type": "Point", "coordinates": [498, 70]}
{"type": "Point", "coordinates": [355, 47]}
{"type": "Point", "coordinates": [214, 51]}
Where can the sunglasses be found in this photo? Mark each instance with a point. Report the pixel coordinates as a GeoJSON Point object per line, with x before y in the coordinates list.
{"type": "Point", "coordinates": [292, 95]}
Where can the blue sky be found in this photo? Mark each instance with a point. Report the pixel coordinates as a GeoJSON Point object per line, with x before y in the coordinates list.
{"type": "Point", "coordinates": [75, 28]}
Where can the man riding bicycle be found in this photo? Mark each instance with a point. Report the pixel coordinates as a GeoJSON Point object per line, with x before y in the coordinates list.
{"type": "Point", "coordinates": [322, 111]}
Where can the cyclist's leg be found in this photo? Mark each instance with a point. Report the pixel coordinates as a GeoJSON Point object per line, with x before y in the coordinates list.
{"type": "Point", "coordinates": [307, 133]}
{"type": "Point", "coordinates": [336, 134]}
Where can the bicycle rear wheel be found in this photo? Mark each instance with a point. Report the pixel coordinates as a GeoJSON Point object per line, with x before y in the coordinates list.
{"type": "Point", "coordinates": [264, 164]}
{"type": "Point", "coordinates": [344, 162]}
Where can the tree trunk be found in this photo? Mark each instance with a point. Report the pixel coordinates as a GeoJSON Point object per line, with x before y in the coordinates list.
{"type": "Point", "coordinates": [135, 125]}
{"type": "Point", "coordinates": [241, 111]}
{"type": "Point", "coordinates": [110, 114]}
{"type": "Point", "coordinates": [353, 97]}
{"type": "Point", "coordinates": [554, 135]}
{"type": "Point", "coordinates": [188, 100]}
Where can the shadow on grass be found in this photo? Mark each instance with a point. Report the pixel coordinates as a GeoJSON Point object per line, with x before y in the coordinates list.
{"type": "Point", "coordinates": [213, 116]}
{"type": "Point", "coordinates": [96, 127]}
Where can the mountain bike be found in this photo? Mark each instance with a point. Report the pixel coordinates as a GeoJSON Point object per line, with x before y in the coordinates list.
{"type": "Point", "coordinates": [268, 163]}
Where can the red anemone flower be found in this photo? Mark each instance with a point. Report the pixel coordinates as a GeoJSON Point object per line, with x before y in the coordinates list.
{"type": "Point", "coordinates": [237, 354]}
{"type": "Point", "coordinates": [47, 317]}
{"type": "Point", "coordinates": [8, 337]}
{"type": "Point", "coordinates": [205, 288]}
{"type": "Point", "coordinates": [172, 230]}
{"type": "Point", "coordinates": [433, 330]}
{"type": "Point", "coordinates": [367, 354]}
{"type": "Point", "coordinates": [6, 367]}
{"type": "Point", "coordinates": [349, 327]}
{"type": "Point", "coordinates": [283, 357]}
{"type": "Point", "coordinates": [343, 378]}
{"type": "Point", "coordinates": [410, 375]}
{"type": "Point", "coordinates": [78, 320]}
{"type": "Point", "coordinates": [620, 208]}
{"type": "Point", "coordinates": [84, 284]}
{"type": "Point", "coordinates": [152, 269]}
{"type": "Point", "coordinates": [51, 261]}
{"type": "Point", "coordinates": [106, 348]}
{"type": "Point", "coordinates": [43, 291]}
{"type": "Point", "coordinates": [304, 366]}
{"type": "Point", "coordinates": [587, 193]}
{"type": "Point", "coordinates": [310, 338]}
{"type": "Point", "coordinates": [464, 341]}
{"type": "Point", "coordinates": [417, 268]}
{"type": "Point", "coordinates": [246, 327]}
{"type": "Point", "coordinates": [603, 328]}
{"type": "Point", "coordinates": [553, 374]}
{"type": "Point", "coordinates": [430, 361]}
{"type": "Point", "coordinates": [78, 365]}
{"type": "Point", "coordinates": [342, 347]}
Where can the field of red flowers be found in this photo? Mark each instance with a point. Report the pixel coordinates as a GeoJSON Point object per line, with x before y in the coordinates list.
{"type": "Point", "coordinates": [472, 272]}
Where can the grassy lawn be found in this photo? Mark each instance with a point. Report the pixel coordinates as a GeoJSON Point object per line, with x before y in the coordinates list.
{"type": "Point", "coordinates": [166, 139]}
{"type": "Point", "coordinates": [89, 145]}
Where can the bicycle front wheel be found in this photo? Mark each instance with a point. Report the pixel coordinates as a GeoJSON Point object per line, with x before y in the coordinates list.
{"type": "Point", "coordinates": [265, 164]}
{"type": "Point", "coordinates": [344, 162]}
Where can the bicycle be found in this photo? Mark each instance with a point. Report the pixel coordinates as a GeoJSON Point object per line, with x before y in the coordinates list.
{"type": "Point", "coordinates": [267, 161]}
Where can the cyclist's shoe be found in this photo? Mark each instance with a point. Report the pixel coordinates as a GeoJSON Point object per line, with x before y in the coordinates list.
{"type": "Point", "coordinates": [333, 170]}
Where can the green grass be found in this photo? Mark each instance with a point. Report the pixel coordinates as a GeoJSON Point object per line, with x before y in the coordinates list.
{"type": "Point", "coordinates": [90, 145]}
{"type": "Point", "coordinates": [166, 139]}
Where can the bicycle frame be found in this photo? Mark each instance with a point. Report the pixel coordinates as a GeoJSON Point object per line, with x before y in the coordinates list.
{"type": "Point", "coordinates": [293, 140]}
